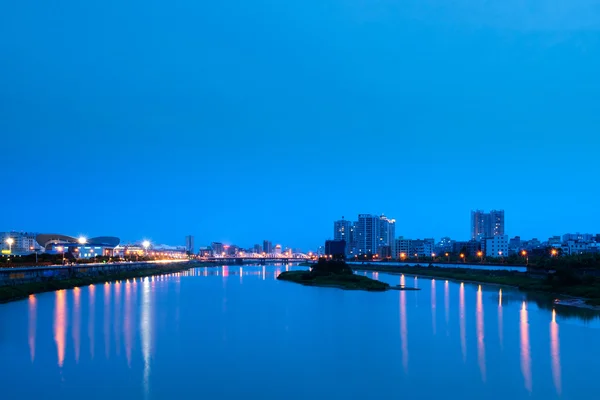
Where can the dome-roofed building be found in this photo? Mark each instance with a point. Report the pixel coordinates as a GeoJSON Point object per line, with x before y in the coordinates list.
{"type": "Point", "coordinates": [79, 247]}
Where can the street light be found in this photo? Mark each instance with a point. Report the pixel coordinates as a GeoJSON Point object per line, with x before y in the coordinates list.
{"type": "Point", "coordinates": [402, 256]}
{"type": "Point", "coordinates": [463, 257]}
{"type": "Point", "coordinates": [35, 251]}
{"type": "Point", "coordinates": [146, 245]}
{"type": "Point", "coordinates": [480, 254]}
{"type": "Point", "coordinates": [448, 256]}
{"type": "Point", "coordinates": [10, 242]}
{"type": "Point", "coordinates": [62, 250]}
{"type": "Point", "coordinates": [433, 256]}
{"type": "Point", "coordinates": [524, 254]}
{"type": "Point", "coordinates": [554, 252]}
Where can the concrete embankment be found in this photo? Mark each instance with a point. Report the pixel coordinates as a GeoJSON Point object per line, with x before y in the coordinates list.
{"type": "Point", "coordinates": [20, 276]}
{"type": "Point", "coordinates": [18, 283]}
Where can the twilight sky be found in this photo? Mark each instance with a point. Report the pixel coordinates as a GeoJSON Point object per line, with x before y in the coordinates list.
{"type": "Point", "coordinates": [239, 120]}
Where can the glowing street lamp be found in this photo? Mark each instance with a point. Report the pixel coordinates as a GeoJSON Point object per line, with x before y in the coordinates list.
{"type": "Point", "coordinates": [10, 242]}
{"type": "Point", "coordinates": [524, 254]}
{"type": "Point", "coordinates": [448, 256]}
{"type": "Point", "coordinates": [61, 249]}
{"type": "Point", "coordinates": [433, 256]}
{"type": "Point", "coordinates": [463, 257]}
{"type": "Point", "coordinates": [35, 251]}
{"type": "Point", "coordinates": [480, 255]}
{"type": "Point", "coordinates": [554, 252]}
{"type": "Point", "coordinates": [402, 256]}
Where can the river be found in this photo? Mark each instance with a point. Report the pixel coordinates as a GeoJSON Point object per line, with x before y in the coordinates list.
{"type": "Point", "coordinates": [237, 332]}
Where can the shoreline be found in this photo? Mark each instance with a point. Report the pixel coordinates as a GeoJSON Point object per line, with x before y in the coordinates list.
{"type": "Point", "coordinates": [566, 300]}
{"type": "Point", "coordinates": [12, 293]}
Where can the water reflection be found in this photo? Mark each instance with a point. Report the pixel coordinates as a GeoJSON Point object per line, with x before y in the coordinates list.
{"type": "Point", "coordinates": [32, 325]}
{"type": "Point", "coordinates": [117, 316]}
{"type": "Point", "coordinates": [555, 354]}
{"type": "Point", "coordinates": [60, 325]}
{"type": "Point", "coordinates": [145, 333]}
{"type": "Point", "coordinates": [462, 321]}
{"type": "Point", "coordinates": [500, 321]}
{"type": "Point", "coordinates": [447, 305]}
{"type": "Point", "coordinates": [433, 306]}
{"type": "Point", "coordinates": [107, 319]}
{"type": "Point", "coordinates": [525, 349]}
{"type": "Point", "coordinates": [480, 334]}
{"type": "Point", "coordinates": [92, 317]}
{"type": "Point", "coordinates": [76, 331]}
{"type": "Point", "coordinates": [128, 331]}
{"type": "Point", "coordinates": [403, 328]}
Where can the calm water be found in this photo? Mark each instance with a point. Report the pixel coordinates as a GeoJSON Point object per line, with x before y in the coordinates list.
{"type": "Point", "coordinates": [231, 332]}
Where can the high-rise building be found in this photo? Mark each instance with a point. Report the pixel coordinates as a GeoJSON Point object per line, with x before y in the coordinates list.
{"type": "Point", "coordinates": [485, 225]}
{"type": "Point", "coordinates": [387, 233]}
{"type": "Point", "coordinates": [368, 232]}
{"type": "Point", "coordinates": [267, 247]}
{"type": "Point", "coordinates": [496, 223]}
{"type": "Point", "coordinates": [257, 249]}
{"type": "Point", "coordinates": [342, 230]}
{"type": "Point", "coordinates": [217, 248]}
{"type": "Point", "coordinates": [189, 244]}
{"type": "Point", "coordinates": [352, 245]}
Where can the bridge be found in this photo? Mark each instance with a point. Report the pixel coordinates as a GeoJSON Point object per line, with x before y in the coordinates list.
{"type": "Point", "coordinates": [255, 260]}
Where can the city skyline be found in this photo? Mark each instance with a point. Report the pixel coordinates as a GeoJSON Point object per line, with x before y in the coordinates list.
{"type": "Point", "coordinates": [204, 239]}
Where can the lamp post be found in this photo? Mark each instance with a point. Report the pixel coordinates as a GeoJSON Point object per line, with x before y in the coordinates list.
{"type": "Point", "coordinates": [480, 254]}
{"type": "Point", "coordinates": [448, 256]}
{"type": "Point", "coordinates": [10, 241]}
{"type": "Point", "coordinates": [463, 257]}
{"type": "Point", "coordinates": [417, 255]}
{"type": "Point", "coordinates": [146, 245]}
{"type": "Point", "coordinates": [554, 252]}
{"type": "Point", "coordinates": [402, 256]}
{"type": "Point", "coordinates": [500, 254]}
{"type": "Point", "coordinates": [62, 250]}
{"type": "Point", "coordinates": [524, 254]}
{"type": "Point", "coordinates": [35, 251]}
{"type": "Point", "coordinates": [433, 257]}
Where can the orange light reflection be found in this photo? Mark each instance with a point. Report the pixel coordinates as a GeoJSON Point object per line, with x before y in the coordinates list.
{"type": "Point", "coordinates": [76, 331]}
{"type": "Point", "coordinates": [480, 334]}
{"type": "Point", "coordinates": [32, 325]}
{"type": "Point", "coordinates": [447, 305]}
{"type": "Point", "coordinates": [91, 317]}
{"type": "Point", "coordinates": [525, 349]}
{"type": "Point", "coordinates": [433, 307]}
{"type": "Point", "coordinates": [107, 320]}
{"type": "Point", "coordinates": [462, 322]}
{"type": "Point", "coordinates": [403, 329]}
{"type": "Point", "coordinates": [555, 354]}
{"type": "Point", "coordinates": [60, 325]}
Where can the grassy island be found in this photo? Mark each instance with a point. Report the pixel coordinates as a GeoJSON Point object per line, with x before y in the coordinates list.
{"type": "Point", "coordinates": [333, 274]}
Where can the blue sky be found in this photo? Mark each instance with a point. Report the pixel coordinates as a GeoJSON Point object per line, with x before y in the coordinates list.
{"type": "Point", "coordinates": [241, 121]}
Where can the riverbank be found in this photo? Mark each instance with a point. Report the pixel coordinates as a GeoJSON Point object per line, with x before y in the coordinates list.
{"type": "Point", "coordinates": [589, 293]}
{"type": "Point", "coordinates": [22, 291]}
